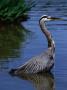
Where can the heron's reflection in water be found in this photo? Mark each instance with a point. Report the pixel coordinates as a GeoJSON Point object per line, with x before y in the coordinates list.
{"type": "Point", "coordinates": [41, 81]}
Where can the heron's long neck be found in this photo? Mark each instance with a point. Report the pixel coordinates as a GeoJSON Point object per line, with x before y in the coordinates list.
{"type": "Point", "coordinates": [47, 34]}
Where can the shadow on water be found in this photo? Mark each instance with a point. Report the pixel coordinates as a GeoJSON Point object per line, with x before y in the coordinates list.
{"type": "Point", "coordinates": [11, 38]}
{"type": "Point", "coordinates": [40, 81]}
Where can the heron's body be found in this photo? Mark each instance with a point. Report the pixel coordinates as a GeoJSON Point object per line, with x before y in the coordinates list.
{"type": "Point", "coordinates": [44, 61]}
{"type": "Point", "coordinates": [38, 63]}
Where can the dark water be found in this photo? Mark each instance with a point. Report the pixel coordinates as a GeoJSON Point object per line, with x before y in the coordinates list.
{"type": "Point", "coordinates": [18, 50]}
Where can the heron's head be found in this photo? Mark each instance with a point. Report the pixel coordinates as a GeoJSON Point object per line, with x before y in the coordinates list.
{"type": "Point", "coordinates": [48, 18]}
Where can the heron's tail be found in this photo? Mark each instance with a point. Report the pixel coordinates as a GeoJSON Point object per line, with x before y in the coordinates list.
{"type": "Point", "coordinates": [12, 72]}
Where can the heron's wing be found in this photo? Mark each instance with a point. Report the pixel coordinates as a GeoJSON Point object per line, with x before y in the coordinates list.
{"type": "Point", "coordinates": [35, 65]}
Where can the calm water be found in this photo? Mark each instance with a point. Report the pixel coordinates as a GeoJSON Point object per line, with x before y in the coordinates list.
{"type": "Point", "coordinates": [16, 52]}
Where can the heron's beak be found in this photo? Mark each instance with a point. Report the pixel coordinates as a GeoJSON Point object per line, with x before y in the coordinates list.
{"type": "Point", "coordinates": [55, 18]}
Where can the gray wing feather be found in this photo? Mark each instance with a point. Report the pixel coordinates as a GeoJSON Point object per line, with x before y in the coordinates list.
{"type": "Point", "coordinates": [34, 65]}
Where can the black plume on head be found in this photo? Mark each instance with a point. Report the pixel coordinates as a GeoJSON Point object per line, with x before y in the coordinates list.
{"type": "Point", "coordinates": [44, 16]}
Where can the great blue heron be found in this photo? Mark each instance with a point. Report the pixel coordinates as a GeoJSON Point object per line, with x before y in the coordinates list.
{"type": "Point", "coordinates": [44, 61]}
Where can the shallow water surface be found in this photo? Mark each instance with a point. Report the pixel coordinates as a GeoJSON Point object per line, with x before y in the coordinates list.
{"type": "Point", "coordinates": [34, 44]}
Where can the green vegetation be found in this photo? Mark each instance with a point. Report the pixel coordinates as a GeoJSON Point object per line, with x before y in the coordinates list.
{"type": "Point", "coordinates": [11, 37]}
{"type": "Point", "coordinates": [12, 34]}
{"type": "Point", "coordinates": [13, 10]}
